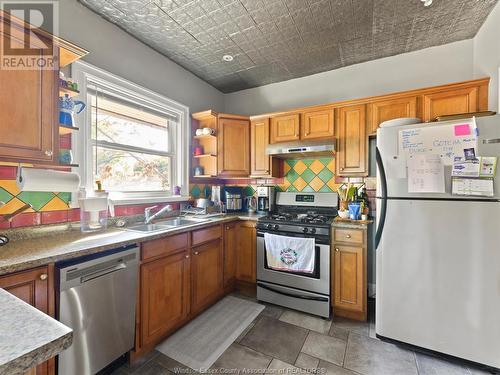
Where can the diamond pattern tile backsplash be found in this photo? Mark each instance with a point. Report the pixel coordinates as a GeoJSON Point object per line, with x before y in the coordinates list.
{"type": "Point", "coordinates": [304, 175]}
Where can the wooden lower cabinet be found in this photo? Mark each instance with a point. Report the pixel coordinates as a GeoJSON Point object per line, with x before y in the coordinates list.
{"type": "Point", "coordinates": [165, 295]}
{"type": "Point", "coordinates": [247, 252]}
{"type": "Point", "coordinates": [206, 272]}
{"type": "Point", "coordinates": [349, 269]}
{"type": "Point", "coordinates": [35, 287]}
{"type": "Point", "coordinates": [230, 253]}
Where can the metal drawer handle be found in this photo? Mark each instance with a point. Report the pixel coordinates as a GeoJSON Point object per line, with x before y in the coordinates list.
{"type": "Point", "coordinates": [337, 250]}
{"type": "Point", "coordinates": [43, 276]}
{"type": "Point", "coordinates": [348, 236]}
{"type": "Point", "coordinates": [187, 256]}
{"type": "Point", "coordinates": [196, 253]}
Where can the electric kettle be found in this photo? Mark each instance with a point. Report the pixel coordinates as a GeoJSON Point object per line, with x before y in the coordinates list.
{"type": "Point", "coordinates": [67, 110]}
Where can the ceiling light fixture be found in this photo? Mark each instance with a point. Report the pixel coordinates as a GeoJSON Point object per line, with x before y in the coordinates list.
{"type": "Point", "coordinates": [227, 58]}
{"type": "Point", "coordinates": [427, 2]}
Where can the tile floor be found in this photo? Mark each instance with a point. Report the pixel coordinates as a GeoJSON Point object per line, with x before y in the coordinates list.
{"type": "Point", "coordinates": [283, 341]}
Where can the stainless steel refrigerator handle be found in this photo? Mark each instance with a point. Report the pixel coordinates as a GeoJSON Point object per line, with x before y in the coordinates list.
{"type": "Point", "coordinates": [105, 271]}
{"type": "Point", "coordinates": [383, 186]}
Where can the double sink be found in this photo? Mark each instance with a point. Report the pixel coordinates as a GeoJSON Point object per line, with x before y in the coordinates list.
{"type": "Point", "coordinates": [166, 224]}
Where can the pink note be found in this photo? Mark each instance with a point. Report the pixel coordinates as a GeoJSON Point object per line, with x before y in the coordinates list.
{"type": "Point", "coordinates": [461, 130]}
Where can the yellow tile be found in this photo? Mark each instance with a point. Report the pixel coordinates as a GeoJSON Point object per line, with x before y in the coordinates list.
{"type": "Point", "coordinates": [332, 185]}
{"type": "Point", "coordinates": [300, 184]}
{"type": "Point", "coordinates": [300, 167]}
{"type": "Point", "coordinates": [286, 184]}
{"type": "Point", "coordinates": [331, 166]}
{"type": "Point", "coordinates": [286, 167]}
{"type": "Point", "coordinates": [316, 166]}
{"type": "Point", "coordinates": [316, 184]}
{"type": "Point", "coordinates": [13, 205]}
{"type": "Point", "coordinates": [55, 204]}
{"type": "Point", "coordinates": [10, 186]}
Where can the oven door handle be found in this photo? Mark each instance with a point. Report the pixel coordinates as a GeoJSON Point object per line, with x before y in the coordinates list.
{"type": "Point", "coordinates": [300, 296]}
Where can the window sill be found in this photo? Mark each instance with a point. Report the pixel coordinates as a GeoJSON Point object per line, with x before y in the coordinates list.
{"type": "Point", "coordinates": [123, 201]}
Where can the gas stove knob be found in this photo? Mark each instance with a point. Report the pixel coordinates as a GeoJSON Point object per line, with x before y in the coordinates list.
{"type": "Point", "coordinates": [276, 227]}
{"type": "Point", "coordinates": [313, 230]}
{"type": "Point", "coordinates": [269, 226]}
{"type": "Point", "coordinates": [305, 230]}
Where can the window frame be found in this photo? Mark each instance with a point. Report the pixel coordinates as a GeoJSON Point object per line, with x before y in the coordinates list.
{"type": "Point", "coordinates": [82, 142]}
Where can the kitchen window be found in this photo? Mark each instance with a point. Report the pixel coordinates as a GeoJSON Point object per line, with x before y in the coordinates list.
{"type": "Point", "coordinates": [133, 141]}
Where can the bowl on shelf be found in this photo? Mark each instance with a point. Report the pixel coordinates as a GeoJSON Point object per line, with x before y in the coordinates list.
{"type": "Point", "coordinates": [344, 214]}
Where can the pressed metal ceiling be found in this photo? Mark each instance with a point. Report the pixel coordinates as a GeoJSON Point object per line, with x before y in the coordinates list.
{"type": "Point", "coordinates": [276, 40]}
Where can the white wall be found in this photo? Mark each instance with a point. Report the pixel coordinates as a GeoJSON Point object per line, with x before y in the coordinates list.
{"type": "Point", "coordinates": [117, 52]}
{"type": "Point", "coordinates": [487, 54]}
{"type": "Point", "coordinates": [429, 67]}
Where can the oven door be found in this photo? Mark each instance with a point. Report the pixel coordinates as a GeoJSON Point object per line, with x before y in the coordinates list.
{"type": "Point", "coordinates": [318, 281]}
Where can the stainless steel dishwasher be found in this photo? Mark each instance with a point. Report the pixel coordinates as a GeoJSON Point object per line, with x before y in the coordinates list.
{"type": "Point", "coordinates": [97, 299]}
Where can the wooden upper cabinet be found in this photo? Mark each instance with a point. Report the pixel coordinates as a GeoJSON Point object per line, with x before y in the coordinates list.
{"type": "Point", "coordinates": [285, 128]}
{"type": "Point", "coordinates": [165, 295]}
{"type": "Point", "coordinates": [207, 274]}
{"type": "Point", "coordinates": [261, 164]}
{"type": "Point", "coordinates": [233, 157]}
{"type": "Point", "coordinates": [386, 110]}
{"type": "Point", "coordinates": [28, 122]}
{"type": "Point", "coordinates": [317, 124]}
{"type": "Point", "coordinates": [450, 102]}
{"type": "Point", "coordinates": [352, 156]}
{"type": "Point", "coordinates": [33, 288]}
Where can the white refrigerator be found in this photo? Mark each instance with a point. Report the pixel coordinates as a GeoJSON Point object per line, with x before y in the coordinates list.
{"type": "Point", "coordinates": [438, 255]}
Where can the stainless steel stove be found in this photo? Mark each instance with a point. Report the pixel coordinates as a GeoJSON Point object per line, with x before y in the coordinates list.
{"type": "Point", "coordinates": [303, 215]}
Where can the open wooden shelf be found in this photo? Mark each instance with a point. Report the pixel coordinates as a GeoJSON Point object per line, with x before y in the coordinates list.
{"type": "Point", "coordinates": [209, 136]}
{"type": "Point", "coordinates": [64, 129]}
{"type": "Point", "coordinates": [66, 90]}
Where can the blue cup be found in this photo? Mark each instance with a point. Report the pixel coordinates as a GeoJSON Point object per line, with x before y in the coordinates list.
{"type": "Point", "coordinates": [354, 211]}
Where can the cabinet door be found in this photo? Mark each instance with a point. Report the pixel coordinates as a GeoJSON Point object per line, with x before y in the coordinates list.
{"type": "Point", "coordinates": [285, 128]}
{"type": "Point", "coordinates": [450, 102]}
{"type": "Point", "coordinates": [259, 140]}
{"type": "Point", "coordinates": [164, 295]}
{"type": "Point", "coordinates": [28, 121]}
{"type": "Point", "coordinates": [33, 287]}
{"type": "Point", "coordinates": [246, 253]}
{"type": "Point", "coordinates": [386, 110]}
{"type": "Point", "coordinates": [230, 247]}
{"type": "Point", "coordinates": [317, 124]}
{"type": "Point", "coordinates": [349, 278]}
{"type": "Point", "coordinates": [207, 274]}
{"type": "Point", "coordinates": [352, 157]}
{"type": "Point", "coordinates": [233, 148]}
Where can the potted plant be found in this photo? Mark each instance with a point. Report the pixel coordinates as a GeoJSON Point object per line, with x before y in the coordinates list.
{"type": "Point", "coordinates": [347, 193]}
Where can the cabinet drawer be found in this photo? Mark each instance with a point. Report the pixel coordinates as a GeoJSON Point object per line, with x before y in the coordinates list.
{"type": "Point", "coordinates": [206, 235]}
{"type": "Point", "coordinates": [349, 235]}
{"type": "Point", "coordinates": [164, 246]}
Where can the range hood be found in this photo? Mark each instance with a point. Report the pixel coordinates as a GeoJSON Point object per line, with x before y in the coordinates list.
{"type": "Point", "coordinates": [303, 149]}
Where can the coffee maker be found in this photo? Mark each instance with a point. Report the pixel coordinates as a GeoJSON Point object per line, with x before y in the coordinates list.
{"type": "Point", "coordinates": [265, 199]}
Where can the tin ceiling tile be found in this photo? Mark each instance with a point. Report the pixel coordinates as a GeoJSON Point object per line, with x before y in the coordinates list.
{"type": "Point", "coordinates": [275, 40]}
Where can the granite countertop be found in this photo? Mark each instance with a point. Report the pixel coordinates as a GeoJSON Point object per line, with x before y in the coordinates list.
{"type": "Point", "coordinates": [342, 223]}
{"type": "Point", "coordinates": [28, 253]}
{"type": "Point", "coordinates": [28, 336]}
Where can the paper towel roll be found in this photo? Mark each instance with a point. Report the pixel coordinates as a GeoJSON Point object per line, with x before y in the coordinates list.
{"type": "Point", "coordinates": [32, 179]}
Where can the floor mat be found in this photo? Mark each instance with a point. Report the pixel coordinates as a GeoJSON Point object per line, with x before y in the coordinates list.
{"type": "Point", "coordinates": [203, 340]}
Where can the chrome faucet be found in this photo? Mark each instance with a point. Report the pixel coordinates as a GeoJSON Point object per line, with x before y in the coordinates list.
{"type": "Point", "coordinates": [148, 218]}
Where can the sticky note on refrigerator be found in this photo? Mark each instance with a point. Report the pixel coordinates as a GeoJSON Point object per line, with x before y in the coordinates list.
{"type": "Point", "coordinates": [462, 130]}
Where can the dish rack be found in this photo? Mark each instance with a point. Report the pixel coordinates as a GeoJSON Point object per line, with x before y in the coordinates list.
{"type": "Point", "coordinates": [207, 211]}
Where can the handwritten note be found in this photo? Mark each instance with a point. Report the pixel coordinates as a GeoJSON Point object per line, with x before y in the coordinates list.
{"type": "Point", "coordinates": [437, 140]}
{"type": "Point", "coordinates": [425, 174]}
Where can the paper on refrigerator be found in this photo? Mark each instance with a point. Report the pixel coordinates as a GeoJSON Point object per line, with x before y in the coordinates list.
{"type": "Point", "coordinates": [425, 174]}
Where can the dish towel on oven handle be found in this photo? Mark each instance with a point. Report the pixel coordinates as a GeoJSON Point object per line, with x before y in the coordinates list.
{"type": "Point", "coordinates": [292, 254]}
